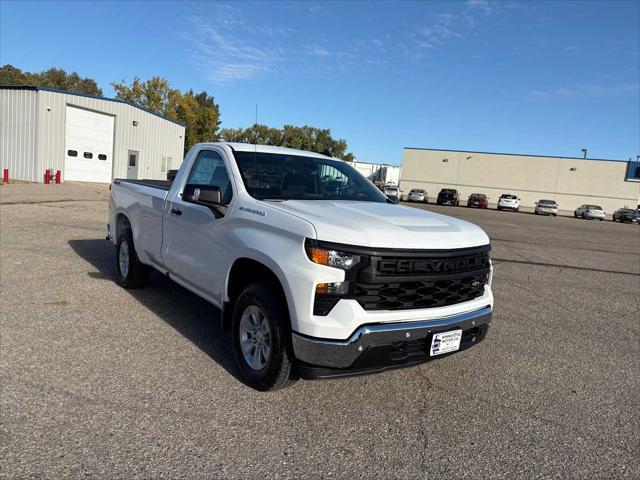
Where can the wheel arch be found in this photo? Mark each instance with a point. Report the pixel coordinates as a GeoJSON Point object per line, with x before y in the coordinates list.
{"type": "Point", "coordinates": [246, 270]}
{"type": "Point", "coordinates": [122, 224]}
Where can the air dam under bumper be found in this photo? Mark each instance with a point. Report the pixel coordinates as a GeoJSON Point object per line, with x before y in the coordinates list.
{"type": "Point", "coordinates": [373, 348]}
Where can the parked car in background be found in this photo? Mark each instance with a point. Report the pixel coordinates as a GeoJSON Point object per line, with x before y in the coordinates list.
{"type": "Point", "coordinates": [626, 215]}
{"type": "Point", "coordinates": [478, 200]}
{"type": "Point", "coordinates": [392, 190]}
{"type": "Point", "coordinates": [448, 196]}
{"type": "Point", "coordinates": [508, 201]}
{"type": "Point", "coordinates": [546, 207]}
{"type": "Point", "coordinates": [418, 195]}
{"type": "Point", "coordinates": [589, 212]}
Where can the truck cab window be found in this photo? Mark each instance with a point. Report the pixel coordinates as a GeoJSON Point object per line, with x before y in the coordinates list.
{"type": "Point", "coordinates": [209, 169]}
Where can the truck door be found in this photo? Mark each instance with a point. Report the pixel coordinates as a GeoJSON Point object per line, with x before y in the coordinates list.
{"type": "Point", "coordinates": [193, 238]}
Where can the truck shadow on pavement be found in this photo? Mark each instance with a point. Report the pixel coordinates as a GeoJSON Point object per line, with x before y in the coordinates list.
{"type": "Point", "coordinates": [193, 317]}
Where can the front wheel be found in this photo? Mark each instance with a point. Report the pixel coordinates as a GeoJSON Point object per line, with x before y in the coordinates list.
{"type": "Point", "coordinates": [262, 338]}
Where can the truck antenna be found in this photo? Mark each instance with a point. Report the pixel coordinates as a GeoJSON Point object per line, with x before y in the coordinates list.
{"type": "Point", "coordinates": [255, 145]}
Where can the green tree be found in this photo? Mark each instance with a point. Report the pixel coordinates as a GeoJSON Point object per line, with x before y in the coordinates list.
{"type": "Point", "coordinates": [53, 78]}
{"type": "Point", "coordinates": [155, 95]}
{"type": "Point", "coordinates": [307, 138]}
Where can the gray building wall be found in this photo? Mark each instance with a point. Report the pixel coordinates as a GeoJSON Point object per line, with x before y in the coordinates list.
{"type": "Point", "coordinates": [33, 124]}
{"type": "Point", "coordinates": [18, 127]}
{"type": "Point", "coordinates": [569, 181]}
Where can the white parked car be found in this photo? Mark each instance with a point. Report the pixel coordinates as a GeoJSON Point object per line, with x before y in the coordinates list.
{"type": "Point", "coordinates": [508, 201]}
{"type": "Point", "coordinates": [546, 207]}
{"type": "Point", "coordinates": [315, 271]}
{"type": "Point", "coordinates": [589, 211]}
{"type": "Point", "coordinates": [418, 195]}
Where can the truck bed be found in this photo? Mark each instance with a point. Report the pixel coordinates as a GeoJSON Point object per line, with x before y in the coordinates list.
{"type": "Point", "coordinates": [161, 184]}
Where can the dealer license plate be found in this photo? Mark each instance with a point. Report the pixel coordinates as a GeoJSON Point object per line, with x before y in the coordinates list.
{"type": "Point", "coordinates": [445, 342]}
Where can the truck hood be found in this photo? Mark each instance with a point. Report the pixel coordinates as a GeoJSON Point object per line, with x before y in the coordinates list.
{"type": "Point", "coordinates": [383, 225]}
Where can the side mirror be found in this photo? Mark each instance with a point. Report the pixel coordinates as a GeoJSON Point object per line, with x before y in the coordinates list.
{"type": "Point", "coordinates": [519, 199]}
{"type": "Point", "coordinates": [207, 195]}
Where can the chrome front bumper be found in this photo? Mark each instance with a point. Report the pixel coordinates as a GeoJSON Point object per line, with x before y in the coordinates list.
{"type": "Point", "coordinates": [344, 353]}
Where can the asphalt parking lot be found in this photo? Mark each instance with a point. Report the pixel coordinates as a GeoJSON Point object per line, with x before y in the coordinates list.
{"type": "Point", "coordinates": [101, 381]}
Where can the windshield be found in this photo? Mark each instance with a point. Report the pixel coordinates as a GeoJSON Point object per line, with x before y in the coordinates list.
{"type": "Point", "coordinates": [510, 197]}
{"type": "Point", "coordinates": [593, 207]}
{"type": "Point", "coordinates": [291, 177]}
{"type": "Point", "coordinates": [628, 210]}
{"type": "Point", "coordinates": [447, 190]}
{"type": "Point", "coordinates": [547, 202]}
{"type": "Point", "coordinates": [416, 190]}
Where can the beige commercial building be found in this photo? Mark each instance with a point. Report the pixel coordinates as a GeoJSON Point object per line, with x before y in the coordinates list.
{"type": "Point", "coordinates": [570, 181]}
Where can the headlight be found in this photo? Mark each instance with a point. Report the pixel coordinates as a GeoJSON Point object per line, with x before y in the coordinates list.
{"type": "Point", "coordinates": [331, 258]}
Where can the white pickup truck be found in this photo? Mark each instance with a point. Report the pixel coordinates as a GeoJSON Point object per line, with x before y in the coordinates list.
{"type": "Point", "coordinates": [317, 273]}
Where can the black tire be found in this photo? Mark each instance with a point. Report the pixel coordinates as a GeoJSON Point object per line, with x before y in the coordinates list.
{"type": "Point", "coordinates": [278, 370]}
{"type": "Point", "coordinates": [517, 209]}
{"type": "Point", "coordinates": [575, 215]}
{"type": "Point", "coordinates": [137, 272]}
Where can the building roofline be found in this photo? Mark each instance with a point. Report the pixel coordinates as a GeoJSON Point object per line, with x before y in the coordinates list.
{"type": "Point", "coordinates": [87, 95]}
{"type": "Point", "coordinates": [515, 154]}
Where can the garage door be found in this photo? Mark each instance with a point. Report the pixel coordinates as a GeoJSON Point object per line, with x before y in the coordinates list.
{"type": "Point", "coordinates": [88, 146]}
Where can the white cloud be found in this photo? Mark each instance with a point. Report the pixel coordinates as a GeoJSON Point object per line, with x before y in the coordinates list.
{"type": "Point", "coordinates": [227, 49]}
{"type": "Point", "coordinates": [592, 90]}
{"type": "Point", "coordinates": [225, 57]}
{"type": "Point", "coordinates": [481, 5]}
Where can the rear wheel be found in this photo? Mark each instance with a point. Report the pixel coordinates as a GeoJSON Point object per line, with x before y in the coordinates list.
{"type": "Point", "coordinates": [262, 338]}
{"type": "Point", "coordinates": [130, 272]}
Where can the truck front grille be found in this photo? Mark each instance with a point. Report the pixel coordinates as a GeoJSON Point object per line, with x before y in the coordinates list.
{"type": "Point", "coordinates": [420, 294]}
{"type": "Point", "coordinates": [412, 279]}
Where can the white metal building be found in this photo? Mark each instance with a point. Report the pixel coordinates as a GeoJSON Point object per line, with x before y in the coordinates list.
{"type": "Point", "coordinates": [87, 138]}
{"type": "Point", "coordinates": [379, 171]}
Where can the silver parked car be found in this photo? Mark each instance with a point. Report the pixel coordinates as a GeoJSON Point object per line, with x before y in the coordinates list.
{"type": "Point", "coordinates": [546, 207]}
{"type": "Point", "coordinates": [417, 195]}
{"type": "Point", "coordinates": [589, 211]}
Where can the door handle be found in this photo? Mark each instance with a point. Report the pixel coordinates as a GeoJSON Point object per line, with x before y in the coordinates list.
{"type": "Point", "coordinates": [175, 211]}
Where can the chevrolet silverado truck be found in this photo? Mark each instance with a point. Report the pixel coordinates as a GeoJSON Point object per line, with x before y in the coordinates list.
{"type": "Point", "coordinates": [316, 272]}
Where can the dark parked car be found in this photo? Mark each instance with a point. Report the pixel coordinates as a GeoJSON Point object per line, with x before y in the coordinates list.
{"type": "Point", "coordinates": [448, 196]}
{"type": "Point", "coordinates": [626, 215]}
{"type": "Point", "coordinates": [478, 200]}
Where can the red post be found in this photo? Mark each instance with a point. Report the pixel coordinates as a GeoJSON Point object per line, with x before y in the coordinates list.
{"type": "Point", "coordinates": [57, 176]}
{"type": "Point", "coordinates": [47, 177]}
{"type": "Point", "coordinates": [6, 175]}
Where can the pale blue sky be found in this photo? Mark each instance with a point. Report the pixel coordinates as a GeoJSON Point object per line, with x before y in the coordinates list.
{"type": "Point", "coordinates": [527, 77]}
